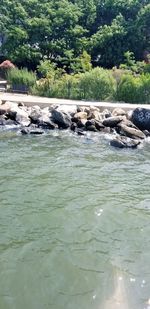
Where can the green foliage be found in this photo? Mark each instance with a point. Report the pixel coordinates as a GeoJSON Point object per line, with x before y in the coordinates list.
{"type": "Point", "coordinates": [61, 30]}
{"type": "Point", "coordinates": [146, 68]}
{"type": "Point", "coordinates": [21, 77]}
{"type": "Point", "coordinates": [82, 63]}
{"type": "Point", "coordinates": [46, 68]}
{"type": "Point", "coordinates": [134, 89]}
{"type": "Point", "coordinates": [97, 84]}
{"type": "Point", "coordinates": [131, 64]}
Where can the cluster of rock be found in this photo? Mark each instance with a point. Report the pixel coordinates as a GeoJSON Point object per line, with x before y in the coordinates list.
{"type": "Point", "coordinates": [130, 128]}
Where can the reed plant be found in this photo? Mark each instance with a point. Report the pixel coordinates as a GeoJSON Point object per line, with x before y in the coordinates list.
{"type": "Point", "coordinates": [21, 77]}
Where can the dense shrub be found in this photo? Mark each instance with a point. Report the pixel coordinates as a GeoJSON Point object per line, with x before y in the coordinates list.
{"type": "Point", "coordinates": [134, 89]}
{"type": "Point", "coordinates": [97, 84]}
{"type": "Point", "coordinates": [21, 77]}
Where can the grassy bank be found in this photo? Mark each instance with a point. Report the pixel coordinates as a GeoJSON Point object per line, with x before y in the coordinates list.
{"type": "Point", "coordinates": [126, 84]}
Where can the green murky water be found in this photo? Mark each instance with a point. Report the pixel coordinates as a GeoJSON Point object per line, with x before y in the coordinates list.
{"type": "Point", "coordinates": [74, 213]}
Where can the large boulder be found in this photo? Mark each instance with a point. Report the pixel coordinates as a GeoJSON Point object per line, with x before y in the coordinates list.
{"type": "Point", "coordinates": [124, 142]}
{"type": "Point", "coordinates": [16, 113]}
{"type": "Point", "coordinates": [78, 116]}
{"type": "Point", "coordinates": [112, 121]}
{"type": "Point", "coordinates": [35, 113]}
{"type": "Point", "coordinates": [7, 106]}
{"type": "Point", "coordinates": [45, 122]}
{"type": "Point", "coordinates": [94, 115]}
{"type": "Point", "coordinates": [61, 119]}
{"type": "Point", "coordinates": [67, 109]}
{"type": "Point", "coordinates": [131, 132]}
{"type": "Point", "coordinates": [141, 118]}
{"type": "Point", "coordinates": [22, 117]}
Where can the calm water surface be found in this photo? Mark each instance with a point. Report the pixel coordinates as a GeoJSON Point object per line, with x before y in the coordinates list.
{"type": "Point", "coordinates": [74, 219]}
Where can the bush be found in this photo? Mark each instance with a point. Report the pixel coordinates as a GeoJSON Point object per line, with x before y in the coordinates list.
{"type": "Point", "coordinates": [66, 87]}
{"type": "Point", "coordinates": [21, 77]}
{"type": "Point", "coordinates": [134, 89]}
{"type": "Point", "coordinates": [98, 84]}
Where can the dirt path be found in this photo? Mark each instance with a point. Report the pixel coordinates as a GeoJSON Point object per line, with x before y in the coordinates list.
{"type": "Point", "coordinates": [44, 102]}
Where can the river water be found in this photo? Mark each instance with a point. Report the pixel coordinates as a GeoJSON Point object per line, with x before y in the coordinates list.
{"type": "Point", "coordinates": [74, 221]}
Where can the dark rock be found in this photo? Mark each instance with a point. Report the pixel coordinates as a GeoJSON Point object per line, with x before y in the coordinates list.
{"type": "Point", "coordinates": [46, 123]}
{"type": "Point", "coordinates": [20, 104]}
{"type": "Point", "coordinates": [61, 119]}
{"type": "Point", "coordinates": [124, 142]}
{"type": "Point", "coordinates": [91, 128]}
{"type": "Point", "coordinates": [73, 126]}
{"type": "Point", "coordinates": [98, 125]}
{"type": "Point", "coordinates": [32, 131]}
{"type": "Point", "coordinates": [7, 122]}
{"type": "Point", "coordinates": [90, 123]}
{"type": "Point", "coordinates": [147, 133]}
{"type": "Point", "coordinates": [141, 118]}
{"type": "Point", "coordinates": [112, 121]}
{"type": "Point", "coordinates": [11, 115]}
{"type": "Point", "coordinates": [80, 132]}
{"type": "Point", "coordinates": [81, 123]}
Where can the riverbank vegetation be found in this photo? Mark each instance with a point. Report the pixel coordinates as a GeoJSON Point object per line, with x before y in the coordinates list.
{"type": "Point", "coordinates": [95, 49]}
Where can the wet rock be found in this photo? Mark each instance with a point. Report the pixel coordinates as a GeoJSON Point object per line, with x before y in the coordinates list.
{"type": "Point", "coordinates": [61, 119]}
{"type": "Point", "coordinates": [45, 122]}
{"type": "Point", "coordinates": [131, 132]}
{"type": "Point", "coordinates": [98, 125]}
{"type": "Point", "coordinates": [73, 126]}
{"type": "Point", "coordinates": [80, 132]}
{"type": "Point", "coordinates": [81, 123]}
{"type": "Point", "coordinates": [141, 118]}
{"type": "Point", "coordinates": [7, 122]}
{"type": "Point", "coordinates": [92, 128]}
{"type": "Point", "coordinates": [33, 131]}
{"type": "Point", "coordinates": [11, 115]}
{"type": "Point", "coordinates": [112, 121]}
{"type": "Point", "coordinates": [124, 142]}
{"type": "Point", "coordinates": [90, 125]}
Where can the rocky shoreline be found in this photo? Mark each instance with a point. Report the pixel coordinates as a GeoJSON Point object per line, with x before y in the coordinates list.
{"type": "Point", "coordinates": [128, 129]}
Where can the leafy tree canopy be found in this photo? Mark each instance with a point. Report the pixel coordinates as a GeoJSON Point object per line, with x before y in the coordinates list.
{"type": "Point", "coordinates": [61, 30]}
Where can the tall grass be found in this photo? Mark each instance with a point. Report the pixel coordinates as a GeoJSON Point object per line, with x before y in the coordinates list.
{"type": "Point", "coordinates": [21, 77]}
{"type": "Point", "coordinates": [97, 84]}
{"type": "Point", "coordinates": [134, 89]}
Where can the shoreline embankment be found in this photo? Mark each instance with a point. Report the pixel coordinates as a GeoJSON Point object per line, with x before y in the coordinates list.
{"type": "Point", "coordinates": [43, 102]}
